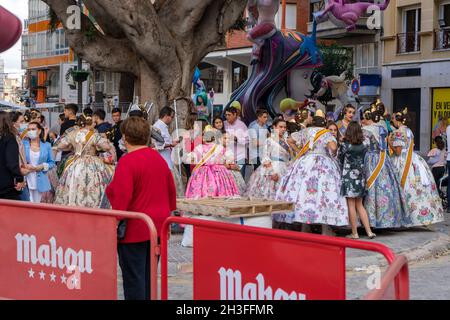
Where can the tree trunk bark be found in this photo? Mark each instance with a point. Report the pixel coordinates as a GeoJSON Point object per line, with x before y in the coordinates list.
{"type": "Point", "coordinates": [149, 88]}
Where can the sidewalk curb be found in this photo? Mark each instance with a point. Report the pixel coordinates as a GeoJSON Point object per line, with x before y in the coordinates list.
{"type": "Point", "coordinates": [429, 249]}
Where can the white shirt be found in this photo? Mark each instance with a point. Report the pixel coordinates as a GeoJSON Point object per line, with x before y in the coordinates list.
{"type": "Point", "coordinates": [257, 134]}
{"type": "Point", "coordinates": [32, 176]}
{"type": "Point", "coordinates": [239, 130]}
{"type": "Point", "coordinates": [166, 153]}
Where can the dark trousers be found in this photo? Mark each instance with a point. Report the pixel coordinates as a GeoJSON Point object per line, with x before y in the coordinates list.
{"type": "Point", "coordinates": [134, 260]}
{"type": "Point", "coordinates": [438, 173]}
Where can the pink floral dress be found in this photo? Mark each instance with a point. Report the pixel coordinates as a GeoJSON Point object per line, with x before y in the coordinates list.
{"type": "Point", "coordinates": [212, 179]}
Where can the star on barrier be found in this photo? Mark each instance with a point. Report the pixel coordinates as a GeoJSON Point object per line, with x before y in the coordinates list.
{"type": "Point", "coordinates": [42, 275]}
{"type": "Point", "coordinates": [52, 277]}
{"type": "Point", "coordinates": [63, 279]}
{"type": "Point", "coordinates": [31, 273]}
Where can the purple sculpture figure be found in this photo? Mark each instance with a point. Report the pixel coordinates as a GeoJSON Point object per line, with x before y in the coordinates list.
{"type": "Point", "coordinates": [262, 16]}
{"type": "Point", "coordinates": [349, 13]}
{"type": "Point", "coordinates": [10, 29]}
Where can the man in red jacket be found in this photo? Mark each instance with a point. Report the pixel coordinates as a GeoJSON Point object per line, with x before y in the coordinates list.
{"type": "Point", "coordinates": [142, 183]}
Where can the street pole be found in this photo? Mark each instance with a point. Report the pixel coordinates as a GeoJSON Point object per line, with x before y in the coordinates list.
{"type": "Point", "coordinates": [177, 134]}
{"type": "Point", "coordinates": [80, 85]}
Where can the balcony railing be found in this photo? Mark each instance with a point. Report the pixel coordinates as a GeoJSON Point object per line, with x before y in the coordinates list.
{"type": "Point", "coordinates": [442, 39]}
{"type": "Point", "coordinates": [408, 42]}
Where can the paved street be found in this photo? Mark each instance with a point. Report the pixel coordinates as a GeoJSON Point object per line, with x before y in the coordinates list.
{"type": "Point", "coordinates": [428, 251]}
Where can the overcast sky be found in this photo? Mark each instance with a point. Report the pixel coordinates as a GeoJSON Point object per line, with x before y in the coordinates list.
{"type": "Point", "coordinates": [12, 57]}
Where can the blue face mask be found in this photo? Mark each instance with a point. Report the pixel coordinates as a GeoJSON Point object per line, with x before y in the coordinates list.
{"type": "Point", "coordinates": [32, 134]}
{"type": "Point", "coordinates": [23, 127]}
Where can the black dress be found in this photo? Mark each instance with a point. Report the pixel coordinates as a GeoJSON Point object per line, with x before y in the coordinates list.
{"type": "Point", "coordinates": [9, 168]}
{"type": "Point", "coordinates": [353, 170]}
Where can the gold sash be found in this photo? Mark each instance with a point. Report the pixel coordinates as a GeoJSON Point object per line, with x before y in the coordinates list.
{"type": "Point", "coordinates": [24, 134]}
{"type": "Point", "coordinates": [307, 146]}
{"type": "Point", "coordinates": [408, 163]}
{"type": "Point", "coordinates": [374, 176]}
{"type": "Point", "coordinates": [205, 158]}
{"type": "Point", "coordinates": [72, 159]}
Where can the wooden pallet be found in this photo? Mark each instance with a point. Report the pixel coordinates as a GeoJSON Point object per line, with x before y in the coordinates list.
{"type": "Point", "coordinates": [233, 207]}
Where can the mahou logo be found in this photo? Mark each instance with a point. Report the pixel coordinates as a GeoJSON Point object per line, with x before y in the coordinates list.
{"type": "Point", "coordinates": [231, 288]}
{"type": "Point", "coordinates": [50, 255]}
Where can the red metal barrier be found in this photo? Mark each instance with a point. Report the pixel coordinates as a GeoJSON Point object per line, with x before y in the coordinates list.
{"type": "Point", "coordinates": [38, 239]}
{"type": "Point", "coordinates": [233, 262]}
{"type": "Point", "coordinates": [395, 282]}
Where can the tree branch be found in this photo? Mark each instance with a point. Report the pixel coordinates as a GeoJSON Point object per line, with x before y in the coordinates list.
{"type": "Point", "coordinates": [213, 27]}
{"type": "Point", "coordinates": [100, 51]}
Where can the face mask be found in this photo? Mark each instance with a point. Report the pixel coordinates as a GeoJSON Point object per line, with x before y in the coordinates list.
{"type": "Point", "coordinates": [23, 127]}
{"type": "Point", "coordinates": [32, 134]}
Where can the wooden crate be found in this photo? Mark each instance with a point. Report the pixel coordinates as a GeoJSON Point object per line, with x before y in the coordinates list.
{"type": "Point", "coordinates": [233, 207]}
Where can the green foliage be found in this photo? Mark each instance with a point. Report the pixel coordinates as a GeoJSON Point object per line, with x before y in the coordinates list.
{"type": "Point", "coordinates": [336, 59]}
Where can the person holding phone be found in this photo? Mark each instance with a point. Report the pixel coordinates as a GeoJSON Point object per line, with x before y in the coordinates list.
{"type": "Point", "coordinates": [11, 179]}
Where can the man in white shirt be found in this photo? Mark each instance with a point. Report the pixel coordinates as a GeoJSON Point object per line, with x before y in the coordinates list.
{"type": "Point", "coordinates": [166, 116]}
{"type": "Point", "coordinates": [238, 131]}
{"type": "Point", "coordinates": [257, 131]}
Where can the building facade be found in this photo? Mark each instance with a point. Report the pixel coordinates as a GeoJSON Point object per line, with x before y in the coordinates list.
{"type": "Point", "coordinates": [416, 64]}
{"type": "Point", "coordinates": [47, 59]}
{"type": "Point", "coordinates": [363, 42]}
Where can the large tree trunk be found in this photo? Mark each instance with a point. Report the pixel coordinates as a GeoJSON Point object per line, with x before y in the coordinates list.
{"type": "Point", "coordinates": [159, 42]}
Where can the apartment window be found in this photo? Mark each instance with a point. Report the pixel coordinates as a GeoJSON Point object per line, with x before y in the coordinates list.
{"type": "Point", "coordinates": [366, 58]}
{"type": "Point", "coordinates": [212, 77]}
{"type": "Point", "coordinates": [315, 6]}
{"type": "Point", "coordinates": [444, 14]}
{"type": "Point", "coordinates": [291, 17]}
{"type": "Point", "coordinates": [442, 34]}
{"type": "Point", "coordinates": [409, 40]}
{"type": "Point", "coordinates": [240, 75]}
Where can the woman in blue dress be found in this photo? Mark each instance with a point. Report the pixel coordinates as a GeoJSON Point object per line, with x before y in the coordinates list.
{"type": "Point", "coordinates": [385, 201]}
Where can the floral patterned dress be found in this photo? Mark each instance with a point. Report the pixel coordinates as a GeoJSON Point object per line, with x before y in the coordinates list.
{"type": "Point", "coordinates": [422, 198]}
{"type": "Point", "coordinates": [351, 158]}
{"type": "Point", "coordinates": [385, 201]}
{"type": "Point", "coordinates": [85, 177]}
{"type": "Point", "coordinates": [212, 179]}
{"type": "Point", "coordinates": [313, 184]}
{"type": "Point", "coordinates": [275, 160]}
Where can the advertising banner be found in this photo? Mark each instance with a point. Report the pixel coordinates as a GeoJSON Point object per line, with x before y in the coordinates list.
{"type": "Point", "coordinates": [52, 254]}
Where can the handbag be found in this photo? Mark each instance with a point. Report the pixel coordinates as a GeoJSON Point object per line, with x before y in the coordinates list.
{"type": "Point", "coordinates": [121, 229]}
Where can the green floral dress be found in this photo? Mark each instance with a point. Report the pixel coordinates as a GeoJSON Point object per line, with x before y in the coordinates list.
{"type": "Point", "coordinates": [351, 158]}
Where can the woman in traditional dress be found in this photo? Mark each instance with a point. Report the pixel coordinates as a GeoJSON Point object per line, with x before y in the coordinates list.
{"type": "Point", "coordinates": [210, 177]}
{"type": "Point", "coordinates": [313, 181]}
{"type": "Point", "coordinates": [234, 168]}
{"type": "Point", "coordinates": [276, 154]}
{"type": "Point", "coordinates": [422, 197]}
{"type": "Point", "coordinates": [349, 113]}
{"type": "Point", "coordinates": [85, 175]}
{"type": "Point", "coordinates": [385, 201]}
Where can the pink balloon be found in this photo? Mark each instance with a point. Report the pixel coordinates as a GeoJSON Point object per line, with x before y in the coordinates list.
{"type": "Point", "coordinates": [10, 29]}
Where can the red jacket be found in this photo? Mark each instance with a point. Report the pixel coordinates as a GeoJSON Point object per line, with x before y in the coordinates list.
{"type": "Point", "coordinates": [142, 183]}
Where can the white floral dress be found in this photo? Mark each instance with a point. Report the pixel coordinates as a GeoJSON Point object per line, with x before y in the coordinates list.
{"type": "Point", "coordinates": [85, 176]}
{"type": "Point", "coordinates": [275, 160]}
{"type": "Point", "coordinates": [313, 184]}
{"type": "Point", "coordinates": [422, 199]}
